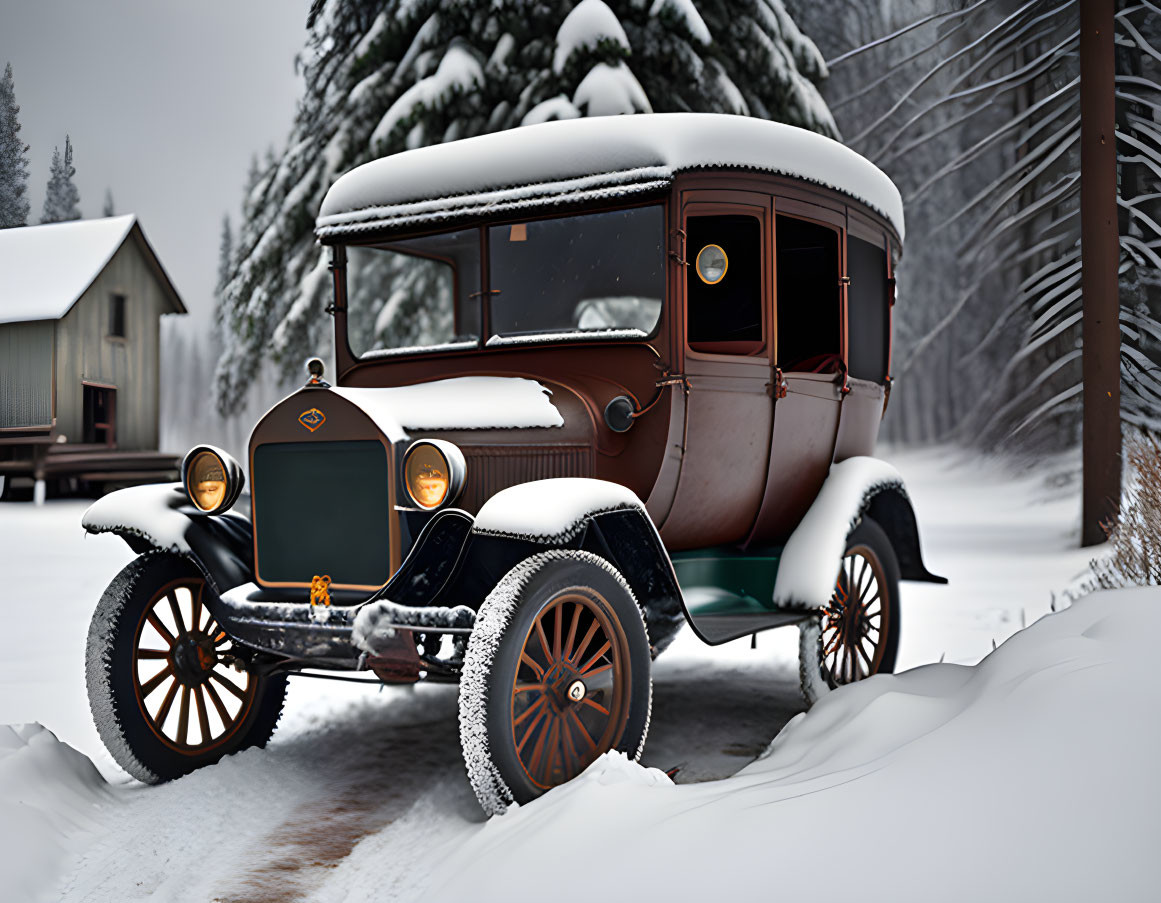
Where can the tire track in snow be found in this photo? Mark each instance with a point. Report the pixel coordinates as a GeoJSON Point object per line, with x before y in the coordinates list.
{"type": "Point", "coordinates": [361, 790]}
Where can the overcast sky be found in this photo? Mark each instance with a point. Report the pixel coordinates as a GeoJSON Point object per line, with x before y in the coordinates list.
{"type": "Point", "coordinates": [164, 102]}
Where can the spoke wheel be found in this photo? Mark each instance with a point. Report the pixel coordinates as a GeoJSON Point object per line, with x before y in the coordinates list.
{"type": "Point", "coordinates": [857, 620]}
{"type": "Point", "coordinates": [557, 673]}
{"type": "Point", "coordinates": [189, 695]}
{"type": "Point", "coordinates": [165, 695]}
{"type": "Point", "coordinates": [857, 634]}
{"type": "Point", "coordinates": [570, 696]}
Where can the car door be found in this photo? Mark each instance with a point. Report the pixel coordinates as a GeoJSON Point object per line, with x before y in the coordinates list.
{"type": "Point", "coordinates": [726, 346]}
{"type": "Point", "coordinates": [810, 317]}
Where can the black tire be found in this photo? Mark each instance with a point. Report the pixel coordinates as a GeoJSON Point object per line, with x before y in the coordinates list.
{"type": "Point", "coordinates": [852, 643]}
{"type": "Point", "coordinates": [126, 661]}
{"type": "Point", "coordinates": [552, 691]}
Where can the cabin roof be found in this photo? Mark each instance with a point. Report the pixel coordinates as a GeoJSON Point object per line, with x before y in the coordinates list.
{"type": "Point", "coordinates": [45, 269]}
{"type": "Point", "coordinates": [576, 160]}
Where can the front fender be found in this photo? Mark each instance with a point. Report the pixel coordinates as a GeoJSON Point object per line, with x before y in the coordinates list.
{"type": "Point", "coordinates": [572, 513]}
{"type": "Point", "coordinates": [855, 488]}
{"type": "Point", "coordinates": [160, 516]}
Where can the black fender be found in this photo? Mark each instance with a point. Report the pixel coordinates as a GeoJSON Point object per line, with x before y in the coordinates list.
{"type": "Point", "coordinates": [625, 537]}
{"type": "Point", "coordinates": [160, 516]}
{"type": "Point", "coordinates": [891, 509]}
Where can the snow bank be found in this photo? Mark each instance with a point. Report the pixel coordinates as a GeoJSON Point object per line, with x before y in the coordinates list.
{"type": "Point", "coordinates": [550, 163]}
{"type": "Point", "coordinates": [550, 509]}
{"type": "Point", "coordinates": [463, 402]}
{"type": "Point", "coordinates": [50, 800]}
{"type": "Point", "coordinates": [811, 558]}
{"type": "Point", "coordinates": [1031, 776]}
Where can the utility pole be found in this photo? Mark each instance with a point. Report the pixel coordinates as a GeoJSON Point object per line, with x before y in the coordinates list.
{"type": "Point", "coordinates": [1100, 255]}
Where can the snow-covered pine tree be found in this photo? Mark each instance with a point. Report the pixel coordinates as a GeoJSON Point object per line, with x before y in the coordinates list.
{"type": "Point", "coordinates": [386, 75]}
{"type": "Point", "coordinates": [225, 264]}
{"type": "Point", "coordinates": [61, 200]}
{"type": "Point", "coordinates": [13, 158]}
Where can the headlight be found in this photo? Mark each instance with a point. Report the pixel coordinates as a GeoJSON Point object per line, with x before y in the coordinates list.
{"type": "Point", "coordinates": [434, 472]}
{"type": "Point", "coordinates": [213, 480]}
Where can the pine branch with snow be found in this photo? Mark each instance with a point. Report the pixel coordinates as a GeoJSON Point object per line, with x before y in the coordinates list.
{"type": "Point", "coordinates": [61, 200]}
{"type": "Point", "coordinates": [13, 158]}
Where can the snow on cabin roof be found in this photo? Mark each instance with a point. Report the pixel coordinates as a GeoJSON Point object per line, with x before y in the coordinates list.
{"type": "Point", "coordinates": [586, 159]}
{"type": "Point", "coordinates": [45, 269]}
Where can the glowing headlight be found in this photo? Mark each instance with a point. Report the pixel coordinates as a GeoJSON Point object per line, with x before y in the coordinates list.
{"type": "Point", "coordinates": [433, 471]}
{"type": "Point", "coordinates": [712, 264]}
{"type": "Point", "coordinates": [212, 479]}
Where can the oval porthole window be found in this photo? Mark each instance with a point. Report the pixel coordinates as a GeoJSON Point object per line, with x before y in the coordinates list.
{"type": "Point", "coordinates": [711, 264]}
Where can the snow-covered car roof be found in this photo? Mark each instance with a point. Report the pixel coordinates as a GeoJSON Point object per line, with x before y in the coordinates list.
{"type": "Point", "coordinates": [588, 159]}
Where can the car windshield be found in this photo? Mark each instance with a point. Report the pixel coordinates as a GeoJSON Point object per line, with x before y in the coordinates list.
{"type": "Point", "coordinates": [596, 275]}
{"type": "Point", "coordinates": [578, 274]}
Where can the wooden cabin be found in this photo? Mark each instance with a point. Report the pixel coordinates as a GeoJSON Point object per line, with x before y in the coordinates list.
{"type": "Point", "coordinates": [80, 321]}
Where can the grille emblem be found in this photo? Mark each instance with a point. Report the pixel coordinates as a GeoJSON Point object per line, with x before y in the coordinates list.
{"type": "Point", "coordinates": [312, 419]}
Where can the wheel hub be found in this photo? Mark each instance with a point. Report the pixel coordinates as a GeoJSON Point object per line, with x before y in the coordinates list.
{"type": "Point", "coordinates": [193, 659]}
{"type": "Point", "coordinates": [565, 686]}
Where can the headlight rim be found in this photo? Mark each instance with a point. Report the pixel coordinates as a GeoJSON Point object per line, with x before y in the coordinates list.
{"type": "Point", "coordinates": [232, 470]}
{"type": "Point", "coordinates": [456, 467]}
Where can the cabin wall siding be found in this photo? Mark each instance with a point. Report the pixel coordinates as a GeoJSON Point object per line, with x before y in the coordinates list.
{"type": "Point", "coordinates": [26, 374]}
{"type": "Point", "coordinates": [86, 352]}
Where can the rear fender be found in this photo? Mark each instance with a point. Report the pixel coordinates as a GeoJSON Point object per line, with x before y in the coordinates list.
{"type": "Point", "coordinates": [160, 516]}
{"type": "Point", "coordinates": [855, 488]}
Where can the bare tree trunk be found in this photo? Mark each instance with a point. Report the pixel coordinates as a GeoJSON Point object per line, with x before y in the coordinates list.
{"type": "Point", "coordinates": [1100, 254]}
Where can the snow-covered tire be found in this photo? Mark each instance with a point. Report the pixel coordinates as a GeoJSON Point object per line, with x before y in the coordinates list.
{"type": "Point", "coordinates": [510, 660]}
{"type": "Point", "coordinates": [870, 566]}
{"type": "Point", "coordinates": [120, 668]}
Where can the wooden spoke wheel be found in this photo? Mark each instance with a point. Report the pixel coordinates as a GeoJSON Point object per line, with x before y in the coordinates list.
{"type": "Point", "coordinates": [163, 687]}
{"type": "Point", "coordinates": [570, 698]}
{"type": "Point", "coordinates": [860, 632]}
{"type": "Point", "coordinates": [189, 695]}
{"type": "Point", "coordinates": [556, 674]}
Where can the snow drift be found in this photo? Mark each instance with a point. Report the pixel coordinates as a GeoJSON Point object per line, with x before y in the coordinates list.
{"type": "Point", "coordinates": [1030, 776]}
{"type": "Point", "coordinates": [50, 795]}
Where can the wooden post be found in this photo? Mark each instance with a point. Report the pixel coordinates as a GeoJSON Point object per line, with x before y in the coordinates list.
{"type": "Point", "coordinates": [1100, 250]}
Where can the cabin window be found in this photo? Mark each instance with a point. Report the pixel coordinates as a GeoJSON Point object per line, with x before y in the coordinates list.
{"type": "Point", "coordinates": [868, 310]}
{"type": "Point", "coordinates": [598, 273]}
{"type": "Point", "coordinates": [809, 299]}
{"type": "Point", "coordinates": [413, 294]}
{"type": "Point", "coordinates": [724, 284]}
{"type": "Point", "coordinates": [117, 316]}
{"type": "Point", "coordinates": [99, 411]}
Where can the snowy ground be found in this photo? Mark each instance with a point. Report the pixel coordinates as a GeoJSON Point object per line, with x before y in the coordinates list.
{"type": "Point", "coordinates": [973, 781]}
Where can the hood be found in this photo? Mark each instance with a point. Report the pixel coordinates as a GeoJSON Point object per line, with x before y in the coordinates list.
{"type": "Point", "coordinates": [458, 403]}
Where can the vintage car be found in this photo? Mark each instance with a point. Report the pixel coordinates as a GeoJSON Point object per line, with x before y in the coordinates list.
{"type": "Point", "coordinates": [593, 380]}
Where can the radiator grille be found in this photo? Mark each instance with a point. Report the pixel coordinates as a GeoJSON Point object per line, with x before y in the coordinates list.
{"type": "Point", "coordinates": [492, 469]}
{"type": "Point", "coordinates": [321, 508]}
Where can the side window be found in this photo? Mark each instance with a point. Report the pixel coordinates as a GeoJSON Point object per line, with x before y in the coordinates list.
{"type": "Point", "coordinates": [117, 316]}
{"type": "Point", "coordinates": [868, 310]}
{"type": "Point", "coordinates": [413, 293]}
{"type": "Point", "coordinates": [724, 284]}
{"type": "Point", "coordinates": [809, 299]}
